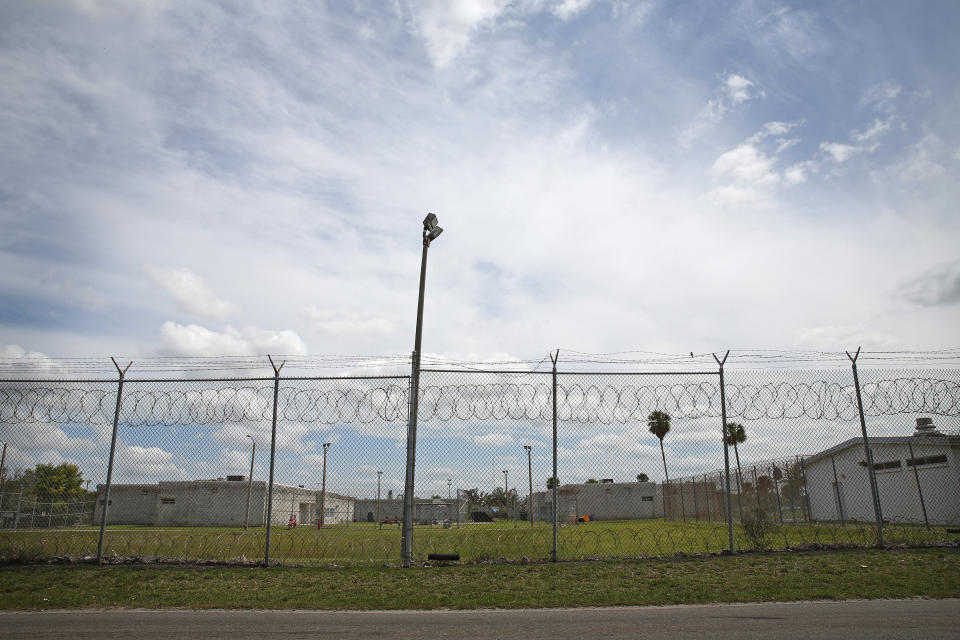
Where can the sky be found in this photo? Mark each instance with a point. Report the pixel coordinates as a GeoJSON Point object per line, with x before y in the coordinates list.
{"type": "Point", "coordinates": [248, 178]}
{"type": "Point", "coordinates": [236, 179]}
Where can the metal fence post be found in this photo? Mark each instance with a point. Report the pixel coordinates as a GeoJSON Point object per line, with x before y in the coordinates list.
{"type": "Point", "coordinates": [836, 492]}
{"type": "Point", "coordinates": [113, 448]}
{"type": "Point", "coordinates": [696, 507]}
{"type": "Point", "coordinates": [554, 359]}
{"type": "Point", "coordinates": [806, 494]}
{"type": "Point", "coordinates": [756, 488]}
{"type": "Point", "coordinates": [273, 455]}
{"type": "Point", "coordinates": [776, 489]}
{"type": "Point", "coordinates": [916, 476]}
{"type": "Point", "coordinates": [709, 495]}
{"type": "Point", "coordinates": [726, 446]}
{"type": "Point", "coordinates": [871, 472]}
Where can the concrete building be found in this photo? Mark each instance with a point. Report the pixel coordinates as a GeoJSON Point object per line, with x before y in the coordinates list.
{"type": "Point", "coordinates": [425, 511]}
{"type": "Point", "coordinates": [218, 503]}
{"type": "Point", "coordinates": [924, 465]}
{"type": "Point", "coordinates": [601, 501]}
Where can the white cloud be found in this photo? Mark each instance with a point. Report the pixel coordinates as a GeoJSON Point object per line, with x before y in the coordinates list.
{"type": "Point", "coordinates": [734, 91]}
{"type": "Point", "coordinates": [492, 440]}
{"type": "Point", "coordinates": [937, 286]}
{"type": "Point", "coordinates": [846, 338]}
{"type": "Point", "coordinates": [190, 292]}
{"type": "Point", "coordinates": [745, 164]}
{"type": "Point", "coordinates": [567, 9]}
{"type": "Point", "coordinates": [447, 25]}
{"type": "Point", "coordinates": [840, 152]}
{"type": "Point", "coordinates": [921, 161]}
{"type": "Point", "coordinates": [343, 323]}
{"type": "Point", "coordinates": [195, 340]}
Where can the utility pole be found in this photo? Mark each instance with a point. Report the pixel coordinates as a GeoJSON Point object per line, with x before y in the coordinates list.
{"type": "Point", "coordinates": [530, 479]}
{"type": "Point", "coordinates": [323, 489]}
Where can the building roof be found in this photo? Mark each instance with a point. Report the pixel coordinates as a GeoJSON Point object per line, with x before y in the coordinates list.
{"type": "Point", "coordinates": [947, 441]}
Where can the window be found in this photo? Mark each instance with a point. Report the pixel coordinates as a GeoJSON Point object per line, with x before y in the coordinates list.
{"type": "Point", "coordinates": [168, 500]}
{"type": "Point", "coordinates": [921, 461]}
{"type": "Point", "coordinates": [646, 499]}
{"type": "Point", "coordinates": [329, 512]}
{"type": "Point", "coordinates": [892, 465]}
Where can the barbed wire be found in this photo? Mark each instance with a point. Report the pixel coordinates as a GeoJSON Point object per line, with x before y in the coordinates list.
{"type": "Point", "coordinates": [352, 401]}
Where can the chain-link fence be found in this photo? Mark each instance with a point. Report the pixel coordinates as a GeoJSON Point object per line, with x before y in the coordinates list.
{"type": "Point", "coordinates": [312, 469]}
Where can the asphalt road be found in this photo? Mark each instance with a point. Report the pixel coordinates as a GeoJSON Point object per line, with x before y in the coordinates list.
{"type": "Point", "coordinates": [807, 620]}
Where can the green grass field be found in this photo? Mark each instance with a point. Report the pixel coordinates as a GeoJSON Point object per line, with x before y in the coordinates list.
{"type": "Point", "coordinates": [359, 543]}
{"type": "Point", "coordinates": [903, 573]}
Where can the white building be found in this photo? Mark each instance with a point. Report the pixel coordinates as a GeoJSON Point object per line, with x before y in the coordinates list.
{"type": "Point", "coordinates": [601, 501]}
{"type": "Point", "coordinates": [925, 465]}
{"type": "Point", "coordinates": [218, 503]}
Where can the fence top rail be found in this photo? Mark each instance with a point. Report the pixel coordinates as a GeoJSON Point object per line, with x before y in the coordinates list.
{"type": "Point", "coordinates": [574, 373]}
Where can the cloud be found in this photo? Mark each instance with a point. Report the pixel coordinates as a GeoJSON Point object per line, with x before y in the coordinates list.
{"type": "Point", "coordinates": [735, 90]}
{"type": "Point", "coordinates": [938, 286]}
{"type": "Point", "coordinates": [846, 337]}
{"type": "Point", "coordinates": [195, 340]}
{"type": "Point", "coordinates": [567, 9]}
{"type": "Point", "coordinates": [345, 323]}
{"type": "Point", "coordinates": [880, 97]}
{"type": "Point", "coordinates": [921, 163]}
{"type": "Point", "coordinates": [745, 164]}
{"type": "Point", "coordinates": [447, 25]}
{"type": "Point", "coordinates": [492, 440]}
{"type": "Point", "coordinates": [190, 292]}
{"type": "Point", "coordinates": [840, 152]}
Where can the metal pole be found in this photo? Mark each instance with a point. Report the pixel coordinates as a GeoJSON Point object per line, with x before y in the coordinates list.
{"type": "Point", "coordinates": [708, 495]}
{"type": "Point", "coordinates": [379, 519]}
{"type": "Point", "coordinates": [683, 507]}
{"type": "Point", "coordinates": [836, 492]}
{"type": "Point", "coordinates": [871, 472]}
{"type": "Point", "coordinates": [16, 516]}
{"type": "Point", "coordinates": [696, 507]}
{"type": "Point", "coordinates": [273, 455]}
{"type": "Point", "coordinates": [506, 495]}
{"type": "Point", "coordinates": [323, 487]}
{"type": "Point", "coordinates": [113, 448]}
{"type": "Point", "coordinates": [530, 482]}
{"type": "Point", "coordinates": [806, 494]}
{"type": "Point", "coordinates": [554, 358]}
{"type": "Point", "coordinates": [406, 540]}
{"type": "Point", "coordinates": [776, 488]}
{"type": "Point", "coordinates": [3, 475]}
{"type": "Point", "coordinates": [726, 446]}
{"type": "Point", "coordinates": [916, 476]}
{"type": "Point", "coordinates": [756, 487]}
{"type": "Point", "coordinates": [253, 454]}
{"type": "Point", "coordinates": [449, 484]}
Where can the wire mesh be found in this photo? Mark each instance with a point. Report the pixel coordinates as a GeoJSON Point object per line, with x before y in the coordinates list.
{"type": "Point", "coordinates": [182, 486]}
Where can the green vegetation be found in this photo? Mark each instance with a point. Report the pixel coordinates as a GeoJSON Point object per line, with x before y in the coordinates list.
{"type": "Point", "coordinates": [364, 543]}
{"type": "Point", "coordinates": [752, 577]}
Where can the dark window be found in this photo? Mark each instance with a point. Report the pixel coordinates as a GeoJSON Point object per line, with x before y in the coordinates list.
{"type": "Point", "coordinates": [646, 499]}
{"type": "Point", "coordinates": [880, 466]}
{"type": "Point", "coordinates": [168, 500]}
{"type": "Point", "coordinates": [920, 461]}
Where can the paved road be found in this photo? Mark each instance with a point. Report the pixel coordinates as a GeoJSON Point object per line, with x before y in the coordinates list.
{"type": "Point", "coordinates": [807, 620]}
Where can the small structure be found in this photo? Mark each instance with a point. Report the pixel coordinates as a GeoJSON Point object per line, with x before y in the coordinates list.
{"type": "Point", "coordinates": [217, 503]}
{"type": "Point", "coordinates": [601, 501]}
{"type": "Point", "coordinates": [918, 478]}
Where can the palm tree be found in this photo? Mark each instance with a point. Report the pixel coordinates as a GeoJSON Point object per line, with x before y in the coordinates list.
{"type": "Point", "coordinates": [659, 425]}
{"type": "Point", "coordinates": [736, 435]}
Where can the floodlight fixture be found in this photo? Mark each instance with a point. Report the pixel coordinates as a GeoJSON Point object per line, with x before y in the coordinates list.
{"type": "Point", "coordinates": [430, 222]}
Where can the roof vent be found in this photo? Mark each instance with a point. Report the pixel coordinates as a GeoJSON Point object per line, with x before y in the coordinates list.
{"type": "Point", "coordinates": [925, 427]}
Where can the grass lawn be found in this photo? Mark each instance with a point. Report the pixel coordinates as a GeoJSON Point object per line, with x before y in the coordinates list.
{"type": "Point", "coordinates": [933, 573]}
{"type": "Point", "coordinates": [363, 543]}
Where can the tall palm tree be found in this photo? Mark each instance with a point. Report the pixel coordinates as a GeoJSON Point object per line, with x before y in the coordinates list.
{"type": "Point", "coordinates": [736, 435]}
{"type": "Point", "coordinates": [659, 424]}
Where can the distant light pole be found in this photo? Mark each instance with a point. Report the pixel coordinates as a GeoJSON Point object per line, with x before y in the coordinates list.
{"type": "Point", "coordinates": [530, 479]}
{"type": "Point", "coordinates": [323, 489]}
{"type": "Point", "coordinates": [379, 519]}
{"type": "Point", "coordinates": [449, 484]}
{"type": "Point", "coordinates": [253, 454]}
{"type": "Point", "coordinates": [506, 499]}
{"type": "Point", "coordinates": [430, 233]}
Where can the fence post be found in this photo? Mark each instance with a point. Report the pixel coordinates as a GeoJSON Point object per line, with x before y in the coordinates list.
{"type": "Point", "coordinates": [16, 516]}
{"type": "Point", "coordinates": [836, 492]}
{"type": "Point", "coordinates": [776, 488]}
{"type": "Point", "coordinates": [3, 474]}
{"type": "Point", "coordinates": [916, 476]}
{"type": "Point", "coordinates": [273, 454]}
{"type": "Point", "coordinates": [696, 507]}
{"type": "Point", "coordinates": [113, 448]}
{"type": "Point", "coordinates": [871, 472]}
{"type": "Point", "coordinates": [554, 358]}
{"type": "Point", "coordinates": [756, 488]}
{"type": "Point", "coordinates": [709, 495]}
{"type": "Point", "coordinates": [806, 494]}
{"type": "Point", "coordinates": [726, 452]}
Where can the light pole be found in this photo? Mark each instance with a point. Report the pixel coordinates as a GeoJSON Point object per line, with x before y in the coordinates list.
{"type": "Point", "coordinates": [430, 233]}
{"type": "Point", "coordinates": [3, 476]}
{"type": "Point", "coordinates": [449, 483]}
{"type": "Point", "coordinates": [379, 519]}
{"type": "Point", "coordinates": [506, 498]}
{"type": "Point", "coordinates": [253, 454]}
{"type": "Point", "coordinates": [530, 479]}
{"type": "Point", "coordinates": [323, 487]}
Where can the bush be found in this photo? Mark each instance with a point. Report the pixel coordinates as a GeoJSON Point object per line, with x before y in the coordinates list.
{"type": "Point", "coordinates": [758, 526]}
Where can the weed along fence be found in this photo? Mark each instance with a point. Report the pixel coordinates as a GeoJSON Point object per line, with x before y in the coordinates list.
{"type": "Point", "coordinates": [605, 460]}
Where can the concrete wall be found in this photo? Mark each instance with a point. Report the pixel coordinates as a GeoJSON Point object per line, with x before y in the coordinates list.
{"type": "Point", "coordinates": [389, 509]}
{"type": "Point", "coordinates": [899, 496]}
{"type": "Point", "coordinates": [217, 503]}
{"type": "Point", "coordinates": [611, 501]}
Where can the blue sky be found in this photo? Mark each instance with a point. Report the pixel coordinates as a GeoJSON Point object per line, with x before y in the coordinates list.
{"type": "Point", "coordinates": [240, 178]}
{"type": "Point", "coordinates": [203, 178]}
